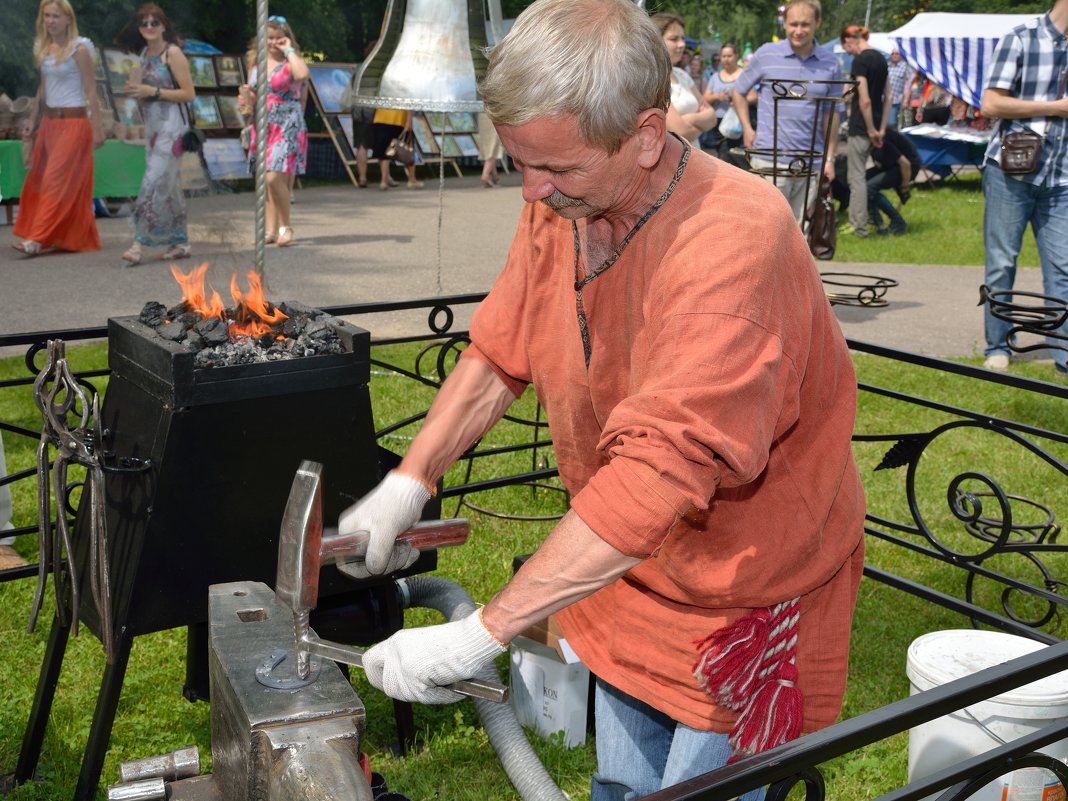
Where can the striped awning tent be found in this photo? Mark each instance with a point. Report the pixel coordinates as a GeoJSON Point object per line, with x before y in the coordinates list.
{"type": "Point", "coordinates": [955, 50]}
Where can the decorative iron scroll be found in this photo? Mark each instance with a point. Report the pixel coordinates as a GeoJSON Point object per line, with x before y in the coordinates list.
{"type": "Point", "coordinates": [1045, 318]}
{"type": "Point", "coordinates": [853, 289]}
{"type": "Point", "coordinates": [777, 162]}
{"type": "Point", "coordinates": [999, 522]}
{"type": "Point", "coordinates": [443, 354]}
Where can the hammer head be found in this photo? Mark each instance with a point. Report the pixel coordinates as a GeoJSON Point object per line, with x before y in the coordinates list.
{"type": "Point", "coordinates": [300, 541]}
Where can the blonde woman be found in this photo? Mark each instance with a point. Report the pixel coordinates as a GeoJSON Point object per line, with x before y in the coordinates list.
{"type": "Point", "coordinates": [287, 134]}
{"type": "Point", "coordinates": [56, 206]}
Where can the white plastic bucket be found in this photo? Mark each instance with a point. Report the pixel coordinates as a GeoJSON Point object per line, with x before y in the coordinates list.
{"type": "Point", "coordinates": [942, 656]}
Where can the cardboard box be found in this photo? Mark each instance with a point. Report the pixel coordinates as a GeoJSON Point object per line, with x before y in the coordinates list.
{"type": "Point", "coordinates": [550, 685]}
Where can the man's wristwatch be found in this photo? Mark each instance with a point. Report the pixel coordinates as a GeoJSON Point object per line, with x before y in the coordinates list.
{"type": "Point", "coordinates": [156, 96]}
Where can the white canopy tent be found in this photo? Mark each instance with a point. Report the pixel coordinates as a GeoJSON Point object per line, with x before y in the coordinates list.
{"type": "Point", "coordinates": [955, 50]}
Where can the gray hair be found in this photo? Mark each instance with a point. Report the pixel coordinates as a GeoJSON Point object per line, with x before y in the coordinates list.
{"type": "Point", "coordinates": [602, 61]}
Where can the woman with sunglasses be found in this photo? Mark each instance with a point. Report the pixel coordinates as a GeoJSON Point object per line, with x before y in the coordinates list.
{"type": "Point", "coordinates": [287, 135]}
{"type": "Point", "coordinates": [56, 203]}
{"type": "Point", "coordinates": [164, 87]}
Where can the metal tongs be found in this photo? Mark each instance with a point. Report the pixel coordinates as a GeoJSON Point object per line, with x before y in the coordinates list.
{"type": "Point", "coordinates": [303, 546]}
{"type": "Point", "coordinates": [58, 394]}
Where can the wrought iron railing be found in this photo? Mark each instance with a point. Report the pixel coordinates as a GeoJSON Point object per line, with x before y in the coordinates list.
{"type": "Point", "coordinates": [990, 542]}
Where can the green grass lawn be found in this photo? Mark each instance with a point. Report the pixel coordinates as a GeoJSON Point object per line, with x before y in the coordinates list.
{"type": "Point", "coordinates": [945, 227]}
{"type": "Point", "coordinates": [454, 759]}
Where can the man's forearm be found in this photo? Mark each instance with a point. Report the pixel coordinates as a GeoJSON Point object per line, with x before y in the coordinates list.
{"type": "Point", "coordinates": [888, 103]}
{"type": "Point", "coordinates": [468, 404]}
{"type": "Point", "coordinates": [571, 563]}
{"type": "Point", "coordinates": [832, 137]}
{"type": "Point", "coordinates": [999, 103]}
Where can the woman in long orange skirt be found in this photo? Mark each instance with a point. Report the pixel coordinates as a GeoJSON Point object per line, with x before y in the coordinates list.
{"type": "Point", "coordinates": [56, 206]}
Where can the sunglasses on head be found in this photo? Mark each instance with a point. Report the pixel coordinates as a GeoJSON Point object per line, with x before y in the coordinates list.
{"type": "Point", "coordinates": [149, 23]}
{"type": "Point", "coordinates": [277, 19]}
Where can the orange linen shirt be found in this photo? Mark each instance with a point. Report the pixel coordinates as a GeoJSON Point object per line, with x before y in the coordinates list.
{"type": "Point", "coordinates": [709, 436]}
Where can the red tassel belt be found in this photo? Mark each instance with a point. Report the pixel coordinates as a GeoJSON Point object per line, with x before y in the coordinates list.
{"type": "Point", "coordinates": [65, 113]}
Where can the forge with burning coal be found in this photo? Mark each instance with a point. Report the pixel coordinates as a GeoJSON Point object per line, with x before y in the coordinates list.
{"type": "Point", "coordinates": [252, 330]}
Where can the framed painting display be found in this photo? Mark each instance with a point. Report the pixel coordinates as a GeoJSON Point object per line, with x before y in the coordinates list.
{"type": "Point", "coordinates": [103, 96]}
{"type": "Point", "coordinates": [230, 111]}
{"type": "Point", "coordinates": [462, 122]}
{"type": "Point", "coordinates": [329, 81]}
{"type": "Point", "coordinates": [128, 112]}
{"type": "Point", "coordinates": [98, 65]}
{"type": "Point", "coordinates": [226, 159]}
{"type": "Point", "coordinates": [203, 71]}
{"type": "Point", "coordinates": [449, 148]}
{"type": "Point", "coordinates": [119, 66]}
{"type": "Point", "coordinates": [436, 120]}
{"type": "Point", "coordinates": [467, 144]}
{"type": "Point", "coordinates": [424, 137]}
{"type": "Point", "coordinates": [229, 70]}
{"type": "Point", "coordinates": [206, 114]}
{"type": "Point", "coordinates": [345, 120]}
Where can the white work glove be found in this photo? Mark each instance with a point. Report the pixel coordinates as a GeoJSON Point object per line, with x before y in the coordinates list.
{"type": "Point", "coordinates": [414, 664]}
{"type": "Point", "coordinates": [387, 510]}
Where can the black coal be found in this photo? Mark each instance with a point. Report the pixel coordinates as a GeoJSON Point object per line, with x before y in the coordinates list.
{"type": "Point", "coordinates": [304, 332]}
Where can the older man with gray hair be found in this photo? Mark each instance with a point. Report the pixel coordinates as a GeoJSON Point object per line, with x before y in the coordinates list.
{"type": "Point", "coordinates": [701, 400]}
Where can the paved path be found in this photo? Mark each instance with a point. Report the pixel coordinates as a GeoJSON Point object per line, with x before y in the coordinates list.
{"type": "Point", "coordinates": [365, 245]}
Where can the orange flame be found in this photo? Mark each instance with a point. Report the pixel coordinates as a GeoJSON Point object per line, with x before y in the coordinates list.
{"type": "Point", "coordinates": [253, 315]}
{"type": "Point", "coordinates": [193, 292]}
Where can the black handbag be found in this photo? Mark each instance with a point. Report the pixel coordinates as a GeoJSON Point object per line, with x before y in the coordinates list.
{"type": "Point", "coordinates": [822, 232]}
{"type": "Point", "coordinates": [402, 148]}
{"type": "Point", "coordinates": [192, 140]}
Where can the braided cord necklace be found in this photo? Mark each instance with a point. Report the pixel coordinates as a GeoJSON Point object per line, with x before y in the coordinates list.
{"type": "Point", "coordinates": [614, 257]}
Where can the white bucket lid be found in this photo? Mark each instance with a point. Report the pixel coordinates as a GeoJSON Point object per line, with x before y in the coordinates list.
{"type": "Point", "coordinates": [942, 656]}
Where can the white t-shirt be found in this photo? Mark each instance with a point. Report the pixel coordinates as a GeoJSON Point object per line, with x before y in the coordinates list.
{"type": "Point", "coordinates": [63, 79]}
{"type": "Point", "coordinates": [682, 96]}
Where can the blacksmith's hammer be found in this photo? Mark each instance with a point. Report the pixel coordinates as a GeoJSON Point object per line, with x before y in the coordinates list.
{"type": "Point", "coordinates": [304, 546]}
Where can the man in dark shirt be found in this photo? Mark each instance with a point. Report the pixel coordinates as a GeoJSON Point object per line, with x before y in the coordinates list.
{"type": "Point", "coordinates": [868, 116]}
{"type": "Point", "coordinates": [895, 164]}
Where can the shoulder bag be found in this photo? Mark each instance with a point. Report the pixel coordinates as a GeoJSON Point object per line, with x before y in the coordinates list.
{"type": "Point", "coordinates": [822, 233]}
{"type": "Point", "coordinates": [1021, 151]}
{"type": "Point", "coordinates": [192, 140]}
{"type": "Point", "coordinates": [402, 148]}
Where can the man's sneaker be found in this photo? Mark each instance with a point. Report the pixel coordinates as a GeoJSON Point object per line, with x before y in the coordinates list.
{"type": "Point", "coordinates": [998, 362]}
{"type": "Point", "coordinates": [897, 229]}
{"type": "Point", "coordinates": [848, 230]}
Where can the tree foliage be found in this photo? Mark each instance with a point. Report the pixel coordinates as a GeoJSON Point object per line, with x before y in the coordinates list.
{"type": "Point", "coordinates": [758, 21]}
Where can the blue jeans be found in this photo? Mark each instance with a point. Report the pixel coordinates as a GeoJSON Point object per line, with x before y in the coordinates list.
{"type": "Point", "coordinates": [640, 750]}
{"type": "Point", "coordinates": [878, 202]}
{"type": "Point", "coordinates": [1010, 205]}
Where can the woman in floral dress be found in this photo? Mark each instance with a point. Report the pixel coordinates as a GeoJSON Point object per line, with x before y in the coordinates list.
{"type": "Point", "coordinates": [287, 135]}
{"type": "Point", "coordinates": [165, 86]}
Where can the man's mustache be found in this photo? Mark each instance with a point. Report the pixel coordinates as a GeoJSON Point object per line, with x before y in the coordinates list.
{"type": "Point", "coordinates": [558, 200]}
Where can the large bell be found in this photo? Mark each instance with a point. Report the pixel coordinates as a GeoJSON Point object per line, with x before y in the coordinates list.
{"type": "Point", "coordinates": [428, 58]}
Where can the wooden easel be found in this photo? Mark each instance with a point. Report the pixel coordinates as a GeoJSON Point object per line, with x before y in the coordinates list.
{"type": "Point", "coordinates": [337, 135]}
